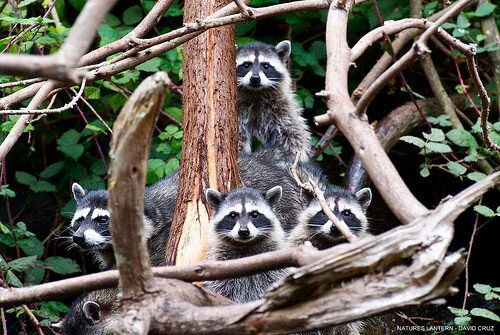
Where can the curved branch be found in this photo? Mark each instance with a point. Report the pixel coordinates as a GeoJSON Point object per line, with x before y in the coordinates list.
{"type": "Point", "coordinates": [419, 49]}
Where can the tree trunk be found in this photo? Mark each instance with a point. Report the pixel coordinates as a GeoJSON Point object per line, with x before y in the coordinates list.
{"type": "Point", "coordinates": [209, 150]}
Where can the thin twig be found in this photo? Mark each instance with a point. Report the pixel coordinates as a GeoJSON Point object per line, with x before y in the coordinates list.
{"type": "Point", "coordinates": [94, 112]}
{"type": "Point", "coordinates": [33, 318]}
{"type": "Point", "coordinates": [21, 83]}
{"type": "Point", "coordinates": [313, 188]}
{"type": "Point", "coordinates": [66, 106]}
{"type": "Point", "coordinates": [244, 9]}
{"type": "Point", "coordinates": [474, 230]}
{"type": "Point", "coordinates": [485, 102]}
{"type": "Point", "coordinates": [324, 140]}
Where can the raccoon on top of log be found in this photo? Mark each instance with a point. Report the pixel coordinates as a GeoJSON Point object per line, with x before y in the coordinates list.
{"type": "Point", "coordinates": [267, 107]}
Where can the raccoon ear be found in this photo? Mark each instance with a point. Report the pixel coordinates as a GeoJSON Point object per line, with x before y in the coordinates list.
{"type": "Point", "coordinates": [364, 197]}
{"type": "Point", "coordinates": [78, 192]}
{"type": "Point", "coordinates": [92, 311]}
{"type": "Point", "coordinates": [283, 49]}
{"type": "Point", "coordinates": [274, 195]}
{"type": "Point", "coordinates": [213, 197]}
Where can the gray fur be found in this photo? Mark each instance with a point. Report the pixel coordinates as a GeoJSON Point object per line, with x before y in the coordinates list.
{"type": "Point", "coordinates": [261, 170]}
{"type": "Point", "coordinates": [339, 199]}
{"type": "Point", "coordinates": [270, 112]}
{"type": "Point", "coordinates": [94, 313]}
{"type": "Point", "coordinates": [223, 245]}
{"type": "Point", "coordinates": [159, 203]}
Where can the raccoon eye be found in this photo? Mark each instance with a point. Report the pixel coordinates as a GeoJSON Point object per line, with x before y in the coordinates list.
{"type": "Point", "coordinates": [232, 215]}
{"type": "Point", "coordinates": [246, 65]}
{"type": "Point", "coordinates": [102, 219]}
{"type": "Point", "coordinates": [266, 66]}
{"type": "Point", "coordinates": [254, 214]}
{"type": "Point", "coordinates": [346, 212]}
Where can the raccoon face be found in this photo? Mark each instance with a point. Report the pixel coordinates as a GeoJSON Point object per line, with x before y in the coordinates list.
{"type": "Point", "coordinates": [260, 66]}
{"type": "Point", "coordinates": [346, 207]}
{"type": "Point", "coordinates": [90, 223]}
{"type": "Point", "coordinates": [244, 215]}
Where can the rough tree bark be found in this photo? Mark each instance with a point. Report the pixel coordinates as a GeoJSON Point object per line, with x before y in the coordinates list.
{"type": "Point", "coordinates": [210, 132]}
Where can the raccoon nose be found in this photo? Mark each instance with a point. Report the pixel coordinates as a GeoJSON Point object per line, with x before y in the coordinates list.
{"type": "Point", "coordinates": [244, 232]}
{"type": "Point", "coordinates": [334, 231]}
{"type": "Point", "coordinates": [78, 239]}
{"type": "Point", "coordinates": [255, 79]}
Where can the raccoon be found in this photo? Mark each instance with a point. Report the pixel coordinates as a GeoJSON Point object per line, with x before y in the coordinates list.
{"type": "Point", "coordinates": [314, 225]}
{"type": "Point", "coordinates": [244, 224]}
{"type": "Point", "coordinates": [90, 223]}
{"type": "Point", "coordinates": [94, 313]}
{"type": "Point", "coordinates": [267, 107]}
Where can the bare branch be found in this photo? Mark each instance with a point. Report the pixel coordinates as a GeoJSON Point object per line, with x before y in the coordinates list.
{"type": "Point", "coordinates": [419, 49]}
{"type": "Point", "coordinates": [126, 184]}
{"type": "Point", "coordinates": [60, 66]}
{"type": "Point", "coordinates": [206, 270]}
{"type": "Point", "coordinates": [359, 134]}
{"type": "Point", "coordinates": [67, 106]}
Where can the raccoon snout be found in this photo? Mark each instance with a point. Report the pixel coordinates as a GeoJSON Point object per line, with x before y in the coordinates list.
{"type": "Point", "coordinates": [244, 232]}
{"type": "Point", "coordinates": [255, 80]}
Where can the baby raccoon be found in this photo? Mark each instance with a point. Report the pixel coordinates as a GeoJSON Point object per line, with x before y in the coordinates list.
{"type": "Point", "coordinates": [94, 313]}
{"type": "Point", "coordinates": [90, 223]}
{"type": "Point", "coordinates": [244, 224]}
{"type": "Point", "coordinates": [314, 225]}
{"type": "Point", "coordinates": [267, 107]}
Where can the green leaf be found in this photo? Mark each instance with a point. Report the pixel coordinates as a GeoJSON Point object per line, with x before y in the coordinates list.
{"type": "Point", "coordinates": [43, 186]}
{"type": "Point", "coordinates": [4, 228]}
{"type": "Point", "coordinates": [491, 296]}
{"type": "Point", "coordinates": [6, 191]}
{"type": "Point", "coordinates": [76, 170]}
{"type": "Point", "coordinates": [436, 135]}
{"type": "Point", "coordinates": [71, 150]}
{"type": "Point", "coordinates": [7, 126]}
{"type": "Point", "coordinates": [485, 9]}
{"type": "Point", "coordinates": [107, 34]}
{"type": "Point", "coordinates": [171, 166]}
{"type": "Point", "coordinates": [439, 148]}
{"type": "Point", "coordinates": [132, 15]}
{"type": "Point", "coordinates": [98, 168]}
{"type": "Point", "coordinates": [24, 263]}
{"type": "Point", "coordinates": [425, 172]}
{"type": "Point", "coordinates": [25, 3]}
{"type": "Point", "coordinates": [462, 138]}
{"type": "Point", "coordinates": [25, 178]}
{"type": "Point", "coordinates": [476, 176]}
{"type": "Point", "coordinates": [54, 307]}
{"type": "Point", "coordinates": [92, 93]}
{"type": "Point", "coordinates": [112, 20]}
{"type": "Point", "coordinates": [152, 65]}
{"type": "Point", "coordinates": [155, 170]}
{"type": "Point", "coordinates": [52, 170]}
{"type": "Point", "coordinates": [462, 321]}
{"type": "Point", "coordinates": [484, 313]}
{"type": "Point", "coordinates": [31, 246]}
{"type": "Point", "coordinates": [484, 211]}
{"type": "Point", "coordinates": [462, 21]}
{"type": "Point", "coordinates": [174, 112]}
{"type": "Point", "coordinates": [171, 129]}
{"type": "Point", "coordinates": [458, 311]}
{"type": "Point", "coordinates": [95, 129]}
{"type": "Point", "coordinates": [456, 168]}
{"type": "Point", "coordinates": [413, 140]}
{"type": "Point", "coordinates": [482, 288]}
{"type": "Point", "coordinates": [3, 263]}
{"type": "Point", "coordinates": [62, 266]}
{"type": "Point", "coordinates": [34, 276]}
{"type": "Point", "coordinates": [12, 279]}
{"type": "Point", "coordinates": [45, 40]}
